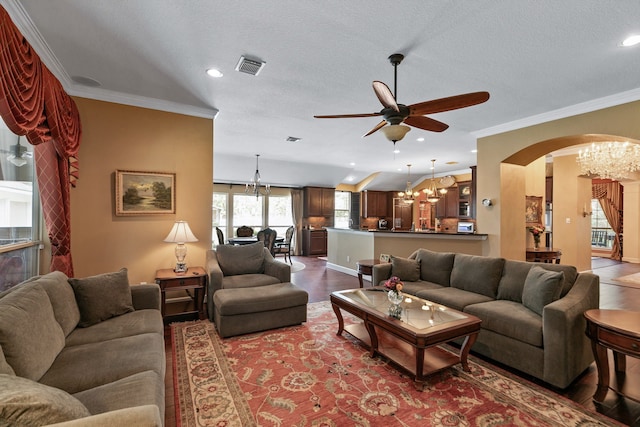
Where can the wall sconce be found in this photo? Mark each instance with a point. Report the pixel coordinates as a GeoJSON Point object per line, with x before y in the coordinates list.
{"type": "Point", "coordinates": [487, 202]}
{"type": "Point", "coordinates": [584, 211]}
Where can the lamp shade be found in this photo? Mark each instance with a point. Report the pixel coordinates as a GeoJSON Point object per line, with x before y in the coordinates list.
{"type": "Point", "coordinates": [180, 233]}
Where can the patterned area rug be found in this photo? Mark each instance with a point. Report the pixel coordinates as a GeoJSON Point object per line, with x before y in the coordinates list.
{"type": "Point", "coordinates": [307, 376]}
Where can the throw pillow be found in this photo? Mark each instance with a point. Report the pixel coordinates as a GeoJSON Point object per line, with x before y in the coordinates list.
{"type": "Point", "coordinates": [30, 337]}
{"type": "Point", "coordinates": [435, 267]}
{"type": "Point", "coordinates": [102, 297]}
{"type": "Point", "coordinates": [27, 403]}
{"type": "Point", "coordinates": [408, 270]}
{"type": "Point", "coordinates": [541, 287]}
{"type": "Point", "coordinates": [241, 259]}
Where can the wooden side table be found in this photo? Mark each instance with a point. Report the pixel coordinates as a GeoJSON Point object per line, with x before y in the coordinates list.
{"type": "Point", "coordinates": [618, 330]}
{"type": "Point", "coordinates": [365, 266]}
{"type": "Point", "coordinates": [194, 279]}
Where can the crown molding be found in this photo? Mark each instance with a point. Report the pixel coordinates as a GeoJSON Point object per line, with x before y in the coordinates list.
{"type": "Point", "coordinates": [561, 113]}
{"type": "Point", "coordinates": [26, 26]}
{"type": "Point", "coordinates": [101, 94]}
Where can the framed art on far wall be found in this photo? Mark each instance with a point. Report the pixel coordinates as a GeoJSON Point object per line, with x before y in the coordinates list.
{"type": "Point", "coordinates": [145, 193]}
{"type": "Point", "coordinates": [533, 210]}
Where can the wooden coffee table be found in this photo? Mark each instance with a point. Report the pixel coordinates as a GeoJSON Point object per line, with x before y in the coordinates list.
{"type": "Point", "coordinates": [411, 342]}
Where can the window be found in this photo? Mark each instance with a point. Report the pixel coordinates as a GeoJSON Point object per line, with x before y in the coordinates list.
{"type": "Point", "coordinates": [219, 215]}
{"type": "Point", "coordinates": [342, 209]}
{"type": "Point", "coordinates": [19, 210]}
{"type": "Point", "coordinates": [247, 210]}
{"type": "Point", "coordinates": [602, 235]}
{"type": "Point", "coordinates": [280, 216]}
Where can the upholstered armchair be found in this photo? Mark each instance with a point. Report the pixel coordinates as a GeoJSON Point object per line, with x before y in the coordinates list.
{"type": "Point", "coordinates": [243, 266]}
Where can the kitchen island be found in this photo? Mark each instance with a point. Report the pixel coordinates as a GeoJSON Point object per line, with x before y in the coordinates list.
{"type": "Point", "coordinates": [345, 247]}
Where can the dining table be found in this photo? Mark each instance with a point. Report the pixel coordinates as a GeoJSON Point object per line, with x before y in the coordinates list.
{"type": "Point", "coordinates": [249, 240]}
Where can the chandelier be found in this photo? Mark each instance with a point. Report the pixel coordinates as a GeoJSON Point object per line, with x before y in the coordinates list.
{"type": "Point", "coordinates": [253, 187]}
{"type": "Point", "coordinates": [408, 195]}
{"type": "Point", "coordinates": [614, 160]}
{"type": "Point", "coordinates": [432, 192]}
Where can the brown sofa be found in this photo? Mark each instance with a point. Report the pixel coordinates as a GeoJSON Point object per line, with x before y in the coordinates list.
{"type": "Point", "coordinates": [532, 313]}
{"type": "Point", "coordinates": [81, 352]}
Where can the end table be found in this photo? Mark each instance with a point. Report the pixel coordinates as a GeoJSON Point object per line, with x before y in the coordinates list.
{"type": "Point", "coordinates": [194, 278]}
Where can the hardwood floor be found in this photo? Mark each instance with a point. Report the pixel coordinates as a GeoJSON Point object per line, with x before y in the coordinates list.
{"type": "Point", "coordinates": [319, 282]}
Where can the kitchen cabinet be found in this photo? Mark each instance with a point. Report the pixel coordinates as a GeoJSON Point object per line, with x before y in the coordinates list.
{"type": "Point", "coordinates": [464, 200]}
{"type": "Point", "coordinates": [375, 204]}
{"type": "Point", "coordinates": [319, 201]}
{"type": "Point", "coordinates": [447, 206]}
{"type": "Point", "coordinates": [402, 215]}
{"type": "Point", "coordinates": [314, 242]}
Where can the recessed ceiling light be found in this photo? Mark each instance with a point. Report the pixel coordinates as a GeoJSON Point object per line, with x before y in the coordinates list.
{"type": "Point", "coordinates": [474, 151]}
{"type": "Point", "coordinates": [214, 72]}
{"type": "Point", "coordinates": [352, 164]}
{"type": "Point", "coordinates": [420, 139]}
{"type": "Point", "coordinates": [631, 41]}
{"type": "Point", "coordinates": [350, 178]}
{"type": "Point", "coordinates": [452, 163]}
{"type": "Point", "coordinates": [399, 169]}
{"type": "Point", "coordinates": [396, 151]}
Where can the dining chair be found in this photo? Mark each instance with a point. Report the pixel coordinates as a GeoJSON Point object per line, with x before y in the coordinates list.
{"type": "Point", "coordinates": [285, 246]}
{"type": "Point", "coordinates": [220, 236]}
{"type": "Point", "coordinates": [244, 231]}
{"type": "Point", "coordinates": [268, 237]}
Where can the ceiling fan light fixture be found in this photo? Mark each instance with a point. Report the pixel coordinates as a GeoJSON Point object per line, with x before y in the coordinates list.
{"type": "Point", "coordinates": [395, 133]}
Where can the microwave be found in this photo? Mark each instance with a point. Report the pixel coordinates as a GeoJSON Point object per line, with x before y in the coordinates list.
{"type": "Point", "coordinates": [467, 227]}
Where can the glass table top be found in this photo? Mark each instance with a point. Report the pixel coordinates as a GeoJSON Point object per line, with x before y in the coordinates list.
{"type": "Point", "coordinates": [416, 312]}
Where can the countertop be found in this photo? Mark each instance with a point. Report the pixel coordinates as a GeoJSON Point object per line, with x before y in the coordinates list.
{"type": "Point", "coordinates": [414, 234]}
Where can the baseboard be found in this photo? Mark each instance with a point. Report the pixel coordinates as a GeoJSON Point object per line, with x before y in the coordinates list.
{"type": "Point", "coordinates": [631, 260]}
{"type": "Point", "coordinates": [342, 269]}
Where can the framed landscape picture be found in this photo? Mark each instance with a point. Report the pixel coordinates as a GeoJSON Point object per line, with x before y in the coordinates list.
{"type": "Point", "coordinates": [145, 193]}
{"type": "Point", "coordinates": [533, 210]}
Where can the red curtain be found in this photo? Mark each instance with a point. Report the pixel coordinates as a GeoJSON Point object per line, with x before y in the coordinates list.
{"type": "Point", "coordinates": [33, 103]}
{"type": "Point", "coordinates": [609, 194]}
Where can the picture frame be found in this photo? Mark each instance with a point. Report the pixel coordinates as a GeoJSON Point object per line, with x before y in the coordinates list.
{"type": "Point", "coordinates": [144, 193]}
{"type": "Point", "coordinates": [385, 258]}
{"type": "Point", "coordinates": [533, 210]}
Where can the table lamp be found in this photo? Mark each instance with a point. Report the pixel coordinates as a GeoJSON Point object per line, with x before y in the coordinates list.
{"type": "Point", "coordinates": [180, 234]}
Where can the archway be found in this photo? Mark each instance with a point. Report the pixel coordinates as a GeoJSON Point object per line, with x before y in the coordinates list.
{"type": "Point", "coordinates": [572, 193]}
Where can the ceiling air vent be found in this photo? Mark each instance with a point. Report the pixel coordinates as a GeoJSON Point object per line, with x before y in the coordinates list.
{"type": "Point", "coordinates": [249, 66]}
{"type": "Point", "coordinates": [293, 139]}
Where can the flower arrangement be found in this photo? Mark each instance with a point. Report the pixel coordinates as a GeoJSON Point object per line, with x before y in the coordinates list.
{"type": "Point", "coordinates": [394, 284]}
{"type": "Point", "coordinates": [536, 231]}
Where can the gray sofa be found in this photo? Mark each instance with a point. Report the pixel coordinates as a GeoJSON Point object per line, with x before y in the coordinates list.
{"type": "Point", "coordinates": [532, 313]}
{"type": "Point", "coordinates": [81, 352]}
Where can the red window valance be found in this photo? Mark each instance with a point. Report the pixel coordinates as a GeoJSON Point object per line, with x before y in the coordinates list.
{"type": "Point", "coordinates": [34, 103]}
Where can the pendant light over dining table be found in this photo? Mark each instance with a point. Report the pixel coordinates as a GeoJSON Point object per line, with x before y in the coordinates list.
{"type": "Point", "coordinates": [254, 187]}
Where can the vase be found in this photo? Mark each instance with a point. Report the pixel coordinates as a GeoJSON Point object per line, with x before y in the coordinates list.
{"type": "Point", "coordinates": [395, 298]}
{"type": "Point", "coordinates": [536, 243]}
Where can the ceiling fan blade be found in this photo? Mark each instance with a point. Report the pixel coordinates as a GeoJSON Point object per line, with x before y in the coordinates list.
{"type": "Point", "coordinates": [448, 104]}
{"type": "Point", "coordinates": [348, 116]}
{"type": "Point", "coordinates": [376, 128]}
{"type": "Point", "coordinates": [426, 123]}
{"type": "Point", "coordinates": [384, 95]}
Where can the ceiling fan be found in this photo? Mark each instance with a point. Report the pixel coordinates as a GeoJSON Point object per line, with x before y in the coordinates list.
{"type": "Point", "coordinates": [395, 114]}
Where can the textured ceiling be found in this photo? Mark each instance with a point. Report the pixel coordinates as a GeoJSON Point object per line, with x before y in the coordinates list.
{"type": "Point", "coordinates": [539, 60]}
